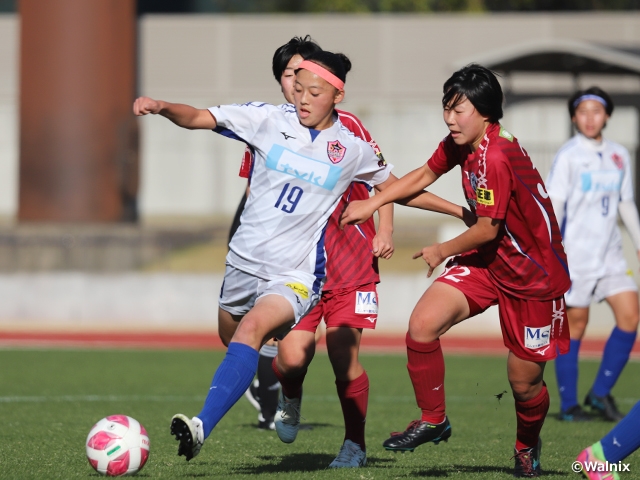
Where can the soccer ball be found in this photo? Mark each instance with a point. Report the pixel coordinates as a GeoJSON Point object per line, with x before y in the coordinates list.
{"type": "Point", "coordinates": [117, 445]}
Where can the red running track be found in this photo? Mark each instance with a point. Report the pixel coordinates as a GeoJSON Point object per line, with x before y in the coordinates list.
{"type": "Point", "coordinates": [373, 343]}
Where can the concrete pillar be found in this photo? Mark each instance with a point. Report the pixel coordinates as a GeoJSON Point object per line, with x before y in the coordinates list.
{"type": "Point", "coordinates": [78, 137]}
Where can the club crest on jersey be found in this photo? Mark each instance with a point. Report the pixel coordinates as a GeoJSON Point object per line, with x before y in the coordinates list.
{"type": "Point", "coordinates": [617, 159]}
{"type": "Point", "coordinates": [336, 151]}
{"type": "Point", "coordinates": [366, 303]}
{"type": "Point", "coordinates": [474, 181]}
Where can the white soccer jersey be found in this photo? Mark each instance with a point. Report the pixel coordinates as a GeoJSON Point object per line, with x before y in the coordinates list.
{"type": "Point", "coordinates": [297, 182]}
{"type": "Point", "coordinates": [591, 179]}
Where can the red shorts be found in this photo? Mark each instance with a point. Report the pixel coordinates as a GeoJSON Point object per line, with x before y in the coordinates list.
{"type": "Point", "coordinates": [355, 307]}
{"type": "Point", "coordinates": [532, 330]}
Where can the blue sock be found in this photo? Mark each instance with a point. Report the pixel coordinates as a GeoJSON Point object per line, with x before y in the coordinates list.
{"type": "Point", "coordinates": [567, 376]}
{"type": "Point", "coordinates": [231, 380]}
{"type": "Point", "coordinates": [624, 438]}
{"type": "Point", "coordinates": [615, 357]}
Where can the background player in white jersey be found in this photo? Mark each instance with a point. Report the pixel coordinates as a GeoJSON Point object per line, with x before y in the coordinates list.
{"type": "Point", "coordinates": [590, 182]}
{"type": "Point", "coordinates": [304, 161]}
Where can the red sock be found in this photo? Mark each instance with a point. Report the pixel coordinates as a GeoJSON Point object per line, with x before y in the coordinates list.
{"type": "Point", "coordinates": [531, 416]}
{"type": "Point", "coordinates": [354, 398]}
{"type": "Point", "coordinates": [291, 386]}
{"type": "Point", "coordinates": [426, 369]}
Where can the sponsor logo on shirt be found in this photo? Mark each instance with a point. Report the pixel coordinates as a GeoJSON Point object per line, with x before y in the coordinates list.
{"type": "Point", "coordinates": [601, 181]}
{"type": "Point", "coordinates": [484, 196]}
{"type": "Point", "coordinates": [366, 303]}
{"type": "Point", "coordinates": [307, 169]}
{"type": "Point", "coordinates": [336, 151]}
{"type": "Point", "coordinates": [299, 289]}
{"type": "Point", "coordinates": [536, 337]}
{"type": "Point", "coordinates": [504, 134]}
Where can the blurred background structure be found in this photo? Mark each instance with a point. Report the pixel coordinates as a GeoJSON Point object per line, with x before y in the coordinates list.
{"type": "Point", "coordinates": [109, 218]}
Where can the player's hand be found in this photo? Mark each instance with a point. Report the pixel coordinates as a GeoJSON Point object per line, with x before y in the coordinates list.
{"type": "Point", "coordinates": [146, 105]}
{"type": "Point", "coordinates": [383, 245]}
{"type": "Point", "coordinates": [468, 217]}
{"type": "Point", "coordinates": [432, 256]}
{"type": "Point", "coordinates": [357, 212]}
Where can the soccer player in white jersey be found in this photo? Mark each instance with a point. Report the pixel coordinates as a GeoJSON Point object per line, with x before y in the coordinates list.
{"type": "Point", "coordinates": [304, 161]}
{"type": "Point", "coordinates": [589, 184]}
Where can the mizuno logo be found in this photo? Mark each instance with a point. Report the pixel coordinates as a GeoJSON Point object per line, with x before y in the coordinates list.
{"type": "Point", "coordinates": [287, 136]}
{"type": "Point", "coordinates": [371, 319]}
{"type": "Point", "coordinates": [438, 387]}
{"type": "Point", "coordinates": [542, 350]}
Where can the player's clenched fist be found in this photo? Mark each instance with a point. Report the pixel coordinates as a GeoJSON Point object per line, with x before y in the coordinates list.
{"type": "Point", "coordinates": [357, 212]}
{"type": "Point", "coordinates": [145, 105]}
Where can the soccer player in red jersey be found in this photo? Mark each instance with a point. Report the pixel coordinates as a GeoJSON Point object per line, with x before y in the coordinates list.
{"type": "Point", "coordinates": [512, 257]}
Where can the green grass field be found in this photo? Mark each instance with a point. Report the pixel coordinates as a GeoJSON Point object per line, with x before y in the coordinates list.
{"type": "Point", "coordinates": [49, 399]}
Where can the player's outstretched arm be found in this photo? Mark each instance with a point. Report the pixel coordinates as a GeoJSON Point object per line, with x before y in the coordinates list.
{"type": "Point", "coordinates": [184, 116]}
{"type": "Point", "coordinates": [428, 201]}
{"type": "Point", "coordinates": [484, 230]}
{"type": "Point", "coordinates": [389, 191]}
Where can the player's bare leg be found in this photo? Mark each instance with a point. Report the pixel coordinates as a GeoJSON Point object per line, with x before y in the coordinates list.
{"type": "Point", "coordinates": [352, 384]}
{"type": "Point", "coordinates": [227, 325]}
{"type": "Point", "coordinates": [578, 318]}
{"type": "Point", "coordinates": [440, 307]}
{"type": "Point", "coordinates": [270, 315]}
{"type": "Point", "coordinates": [615, 356]}
{"type": "Point", "coordinates": [625, 310]}
{"type": "Point", "coordinates": [532, 404]}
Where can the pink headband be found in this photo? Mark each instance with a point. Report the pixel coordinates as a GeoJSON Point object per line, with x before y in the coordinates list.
{"type": "Point", "coordinates": [322, 73]}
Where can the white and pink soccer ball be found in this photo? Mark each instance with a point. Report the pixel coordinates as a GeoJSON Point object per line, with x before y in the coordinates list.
{"type": "Point", "coordinates": [117, 445]}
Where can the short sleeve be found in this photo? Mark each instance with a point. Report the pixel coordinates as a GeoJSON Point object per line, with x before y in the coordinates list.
{"type": "Point", "coordinates": [241, 122]}
{"type": "Point", "coordinates": [445, 157]}
{"type": "Point", "coordinates": [626, 189]}
{"type": "Point", "coordinates": [493, 192]}
{"type": "Point", "coordinates": [246, 163]}
{"type": "Point", "coordinates": [371, 169]}
{"type": "Point", "coordinates": [558, 182]}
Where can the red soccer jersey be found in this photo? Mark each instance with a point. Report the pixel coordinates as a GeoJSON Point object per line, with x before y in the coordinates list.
{"type": "Point", "coordinates": [499, 181]}
{"type": "Point", "coordinates": [350, 261]}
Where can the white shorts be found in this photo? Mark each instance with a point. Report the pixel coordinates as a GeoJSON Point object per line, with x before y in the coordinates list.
{"type": "Point", "coordinates": [240, 291]}
{"type": "Point", "coordinates": [584, 290]}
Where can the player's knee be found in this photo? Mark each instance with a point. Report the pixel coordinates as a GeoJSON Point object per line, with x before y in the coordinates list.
{"type": "Point", "coordinates": [427, 329]}
{"type": "Point", "coordinates": [292, 361]}
{"type": "Point", "coordinates": [523, 390]}
{"type": "Point", "coordinates": [628, 322]}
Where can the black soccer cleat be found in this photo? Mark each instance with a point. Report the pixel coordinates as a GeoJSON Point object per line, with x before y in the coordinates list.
{"type": "Point", "coordinates": [604, 406]}
{"type": "Point", "coordinates": [574, 414]}
{"type": "Point", "coordinates": [528, 461]}
{"type": "Point", "coordinates": [189, 433]}
{"type": "Point", "coordinates": [417, 433]}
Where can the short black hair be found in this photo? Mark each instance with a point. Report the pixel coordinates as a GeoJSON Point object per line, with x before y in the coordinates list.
{"type": "Point", "coordinates": [303, 46]}
{"type": "Point", "coordinates": [574, 101]}
{"type": "Point", "coordinates": [337, 63]}
{"type": "Point", "coordinates": [480, 86]}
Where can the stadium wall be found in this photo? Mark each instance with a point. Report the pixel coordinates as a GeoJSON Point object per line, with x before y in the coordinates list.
{"type": "Point", "coordinates": [399, 65]}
